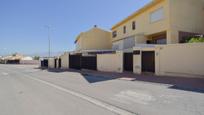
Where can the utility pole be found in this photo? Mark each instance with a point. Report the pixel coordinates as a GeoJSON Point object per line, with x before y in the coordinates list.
{"type": "Point", "coordinates": [49, 52]}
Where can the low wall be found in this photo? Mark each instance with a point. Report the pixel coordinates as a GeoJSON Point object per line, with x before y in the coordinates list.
{"type": "Point", "coordinates": [30, 62]}
{"type": "Point", "coordinates": [65, 61]}
{"type": "Point", "coordinates": [110, 62]}
{"type": "Point", "coordinates": [180, 59]}
{"type": "Point", "coordinates": [51, 63]}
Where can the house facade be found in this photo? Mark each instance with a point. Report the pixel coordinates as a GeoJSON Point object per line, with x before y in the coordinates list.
{"type": "Point", "coordinates": [160, 22]}
{"type": "Point", "coordinates": [94, 39]}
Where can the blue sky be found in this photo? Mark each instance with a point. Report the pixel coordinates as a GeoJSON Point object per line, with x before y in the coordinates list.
{"type": "Point", "coordinates": [22, 22]}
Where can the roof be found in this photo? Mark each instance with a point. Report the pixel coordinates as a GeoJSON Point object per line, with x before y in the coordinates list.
{"type": "Point", "coordinates": [77, 38]}
{"type": "Point", "coordinates": [143, 9]}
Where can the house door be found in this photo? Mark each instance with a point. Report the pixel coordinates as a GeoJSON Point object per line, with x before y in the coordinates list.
{"type": "Point", "coordinates": [89, 62]}
{"type": "Point", "coordinates": [75, 61]}
{"type": "Point", "coordinates": [148, 61]}
{"type": "Point", "coordinates": [128, 62]}
{"type": "Point", "coordinates": [60, 63]}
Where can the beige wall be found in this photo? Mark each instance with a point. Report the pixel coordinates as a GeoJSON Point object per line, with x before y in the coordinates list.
{"type": "Point", "coordinates": [94, 39]}
{"type": "Point", "coordinates": [187, 16]}
{"type": "Point", "coordinates": [174, 60]}
{"type": "Point", "coordinates": [180, 59]}
{"type": "Point", "coordinates": [110, 62]}
{"type": "Point", "coordinates": [51, 63]}
{"type": "Point", "coordinates": [65, 60]}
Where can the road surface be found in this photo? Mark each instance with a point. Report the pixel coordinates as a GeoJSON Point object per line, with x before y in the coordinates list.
{"type": "Point", "coordinates": [27, 90]}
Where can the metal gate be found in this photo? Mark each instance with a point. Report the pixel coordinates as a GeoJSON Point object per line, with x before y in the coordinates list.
{"type": "Point", "coordinates": [44, 63]}
{"type": "Point", "coordinates": [13, 62]}
{"type": "Point", "coordinates": [75, 61]}
{"type": "Point", "coordinates": [148, 61]}
{"type": "Point", "coordinates": [89, 62]}
{"type": "Point", "coordinates": [128, 62]}
{"type": "Point", "coordinates": [55, 63]}
{"type": "Point", "coordinates": [59, 63]}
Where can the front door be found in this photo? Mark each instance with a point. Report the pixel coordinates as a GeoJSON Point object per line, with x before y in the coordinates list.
{"type": "Point", "coordinates": [148, 61]}
{"type": "Point", "coordinates": [128, 62]}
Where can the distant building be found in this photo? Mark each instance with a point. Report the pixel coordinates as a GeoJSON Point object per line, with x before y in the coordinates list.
{"type": "Point", "coordinates": [27, 58]}
{"type": "Point", "coordinates": [18, 59]}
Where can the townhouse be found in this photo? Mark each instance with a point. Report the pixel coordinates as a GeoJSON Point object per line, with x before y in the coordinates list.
{"type": "Point", "coordinates": [93, 39]}
{"type": "Point", "coordinates": [88, 45]}
{"type": "Point", "coordinates": [160, 22]}
{"type": "Point", "coordinates": [150, 40]}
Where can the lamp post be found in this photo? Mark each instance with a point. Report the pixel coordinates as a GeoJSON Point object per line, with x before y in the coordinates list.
{"type": "Point", "coordinates": [49, 52]}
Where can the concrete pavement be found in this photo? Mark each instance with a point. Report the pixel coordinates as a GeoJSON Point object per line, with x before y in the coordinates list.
{"type": "Point", "coordinates": [20, 95]}
{"type": "Point", "coordinates": [132, 96]}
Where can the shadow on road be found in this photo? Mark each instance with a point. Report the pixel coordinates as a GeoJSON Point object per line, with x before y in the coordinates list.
{"type": "Point", "coordinates": [180, 83]}
{"type": "Point", "coordinates": [97, 78]}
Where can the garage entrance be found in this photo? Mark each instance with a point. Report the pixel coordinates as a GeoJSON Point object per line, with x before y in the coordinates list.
{"type": "Point", "coordinates": [148, 61]}
{"type": "Point", "coordinates": [89, 62]}
{"type": "Point", "coordinates": [75, 61]}
{"type": "Point", "coordinates": [128, 62]}
{"type": "Point", "coordinates": [59, 63]}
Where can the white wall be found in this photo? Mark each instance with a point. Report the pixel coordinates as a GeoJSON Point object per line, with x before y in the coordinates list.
{"type": "Point", "coordinates": [110, 62]}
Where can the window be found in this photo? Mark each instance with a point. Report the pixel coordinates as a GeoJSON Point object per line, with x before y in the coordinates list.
{"type": "Point", "coordinates": [115, 47]}
{"type": "Point", "coordinates": [133, 25]}
{"type": "Point", "coordinates": [161, 41]}
{"type": "Point", "coordinates": [114, 34]}
{"type": "Point", "coordinates": [157, 15]}
{"type": "Point", "coordinates": [128, 43]}
{"type": "Point", "coordinates": [124, 29]}
{"type": "Point", "coordinates": [158, 39]}
{"type": "Point", "coordinates": [118, 45]}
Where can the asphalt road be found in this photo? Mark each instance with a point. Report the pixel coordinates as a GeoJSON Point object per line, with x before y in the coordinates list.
{"type": "Point", "coordinates": [26, 90]}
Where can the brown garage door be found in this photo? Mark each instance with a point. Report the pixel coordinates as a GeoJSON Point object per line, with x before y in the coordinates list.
{"type": "Point", "coordinates": [89, 62]}
{"type": "Point", "coordinates": [75, 61]}
{"type": "Point", "coordinates": [128, 62]}
{"type": "Point", "coordinates": [148, 61]}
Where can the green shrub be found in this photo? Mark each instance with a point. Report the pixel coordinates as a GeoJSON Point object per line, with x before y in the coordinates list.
{"type": "Point", "coordinates": [196, 40]}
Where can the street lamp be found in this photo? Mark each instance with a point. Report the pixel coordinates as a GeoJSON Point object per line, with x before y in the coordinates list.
{"type": "Point", "coordinates": [49, 52]}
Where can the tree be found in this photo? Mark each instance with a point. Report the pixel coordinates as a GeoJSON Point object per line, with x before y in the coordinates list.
{"type": "Point", "coordinates": [36, 57]}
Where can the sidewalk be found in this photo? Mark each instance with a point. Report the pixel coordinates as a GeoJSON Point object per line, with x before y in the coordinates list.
{"type": "Point", "coordinates": [180, 83]}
